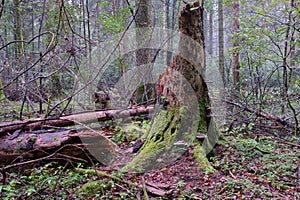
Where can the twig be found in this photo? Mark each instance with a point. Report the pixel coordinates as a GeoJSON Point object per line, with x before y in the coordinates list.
{"type": "Point", "coordinates": [145, 189]}
{"type": "Point", "coordinates": [231, 174]}
{"type": "Point", "coordinates": [223, 189]}
{"type": "Point", "coordinates": [59, 176]}
{"type": "Point", "coordinates": [298, 178]}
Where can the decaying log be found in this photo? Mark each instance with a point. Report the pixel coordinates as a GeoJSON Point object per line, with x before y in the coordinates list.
{"type": "Point", "coordinates": [83, 118]}
{"type": "Point", "coordinates": [28, 140]}
{"type": "Point", "coordinates": [34, 146]}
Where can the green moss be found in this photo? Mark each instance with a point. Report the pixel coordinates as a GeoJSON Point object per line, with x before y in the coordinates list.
{"type": "Point", "coordinates": [2, 95]}
{"type": "Point", "coordinates": [155, 145]}
{"type": "Point", "coordinates": [202, 128]}
{"type": "Point", "coordinates": [135, 130]}
{"type": "Point", "coordinates": [90, 188]}
{"type": "Point", "coordinates": [200, 156]}
{"type": "Point", "coordinates": [170, 135]}
{"type": "Point", "coordinates": [160, 148]}
{"type": "Point", "coordinates": [161, 122]}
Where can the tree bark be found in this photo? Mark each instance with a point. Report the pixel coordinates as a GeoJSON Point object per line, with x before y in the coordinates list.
{"type": "Point", "coordinates": [210, 34]}
{"type": "Point", "coordinates": [18, 29]}
{"type": "Point", "coordinates": [1, 7]}
{"type": "Point", "coordinates": [143, 20]}
{"type": "Point", "coordinates": [221, 40]}
{"type": "Point", "coordinates": [236, 54]}
{"type": "Point", "coordinates": [173, 129]}
{"type": "Point", "coordinates": [144, 55]}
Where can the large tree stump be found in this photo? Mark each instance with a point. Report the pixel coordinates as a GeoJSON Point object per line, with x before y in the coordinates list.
{"type": "Point", "coordinates": [183, 93]}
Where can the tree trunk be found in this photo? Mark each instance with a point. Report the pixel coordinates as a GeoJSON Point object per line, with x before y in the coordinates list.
{"type": "Point", "coordinates": [182, 93]}
{"type": "Point", "coordinates": [210, 35]}
{"type": "Point", "coordinates": [221, 39]}
{"type": "Point", "coordinates": [2, 96]}
{"type": "Point", "coordinates": [143, 20]}
{"type": "Point", "coordinates": [144, 55]}
{"type": "Point", "coordinates": [236, 54]}
{"type": "Point", "coordinates": [18, 35]}
{"type": "Point", "coordinates": [18, 29]}
{"type": "Point", "coordinates": [1, 7]}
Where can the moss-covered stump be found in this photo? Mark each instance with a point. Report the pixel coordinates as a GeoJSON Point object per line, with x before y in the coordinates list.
{"type": "Point", "coordinates": [168, 138]}
{"type": "Point", "coordinates": [184, 94]}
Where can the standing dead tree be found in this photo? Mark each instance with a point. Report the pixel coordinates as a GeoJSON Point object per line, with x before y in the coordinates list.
{"type": "Point", "coordinates": [183, 94]}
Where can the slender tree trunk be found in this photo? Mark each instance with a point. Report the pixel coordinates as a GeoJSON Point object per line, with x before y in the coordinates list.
{"type": "Point", "coordinates": [170, 25]}
{"type": "Point", "coordinates": [210, 34]}
{"type": "Point", "coordinates": [144, 55]}
{"type": "Point", "coordinates": [18, 29]}
{"type": "Point", "coordinates": [221, 39]}
{"type": "Point", "coordinates": [18, 35]}
{"type": "Point", "coordinates": [2, 95]}
{"type": "Point", "coordinates": [143, 20]}
{"type": "Point", "coordinates": [121, 61]}
{"type": "Point", "coordinates": [1, 7]}
{"type": "Point", "coordinates": [84, 24]}
{"type": "Point", "coordinates": [165, 25]}
{"type": "Point", "coordinates": [39, 48]}
{"type": "Point", "coordinates": [88, 30]}
{"type": "Point", "coordinates": [286, 77]}
{"type": "Point", "coordinates": [236, 54]}
{"type": "Point", "coordinates": [32, 25]}
{"type": "Point", "coordinates": [97, 25]}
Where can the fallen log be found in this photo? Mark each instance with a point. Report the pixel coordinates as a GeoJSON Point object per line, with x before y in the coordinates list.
{"type": "Point", "coordinates": [29, 141]}
{"type": "Point", "coordinates": [71, 120]}
{"type": "Point", "coordinates": [64, 145]}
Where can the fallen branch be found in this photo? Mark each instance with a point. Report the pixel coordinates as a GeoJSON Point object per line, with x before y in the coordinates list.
{"type": "Point", "coordinates": [280, 139]}
{"type": "Point", "coordinates": [268, 116]}
{"type": "Point", "coordinates": [298, 178]}
{"type": "Point", "coordinates": [71, 120]}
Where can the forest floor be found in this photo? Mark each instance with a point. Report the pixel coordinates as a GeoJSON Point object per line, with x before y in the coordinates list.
{"type": "Point", "coordinates": [248, 166]}
{"type": "Point", "coordinates": [251, 162]}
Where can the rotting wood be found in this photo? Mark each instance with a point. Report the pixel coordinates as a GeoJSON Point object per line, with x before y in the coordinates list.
{"type": "Point", "coordinates": [71, 120]}
{"type": "Point", "coordinates": [33, 139]}
{"type": "Point", "coordinates": [183, 93]}
{"type": "Point", "coordinates": [36, 147]}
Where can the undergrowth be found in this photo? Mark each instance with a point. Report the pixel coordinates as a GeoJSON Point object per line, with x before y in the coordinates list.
{"type": "Point", "coordinates": [249, 166]}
